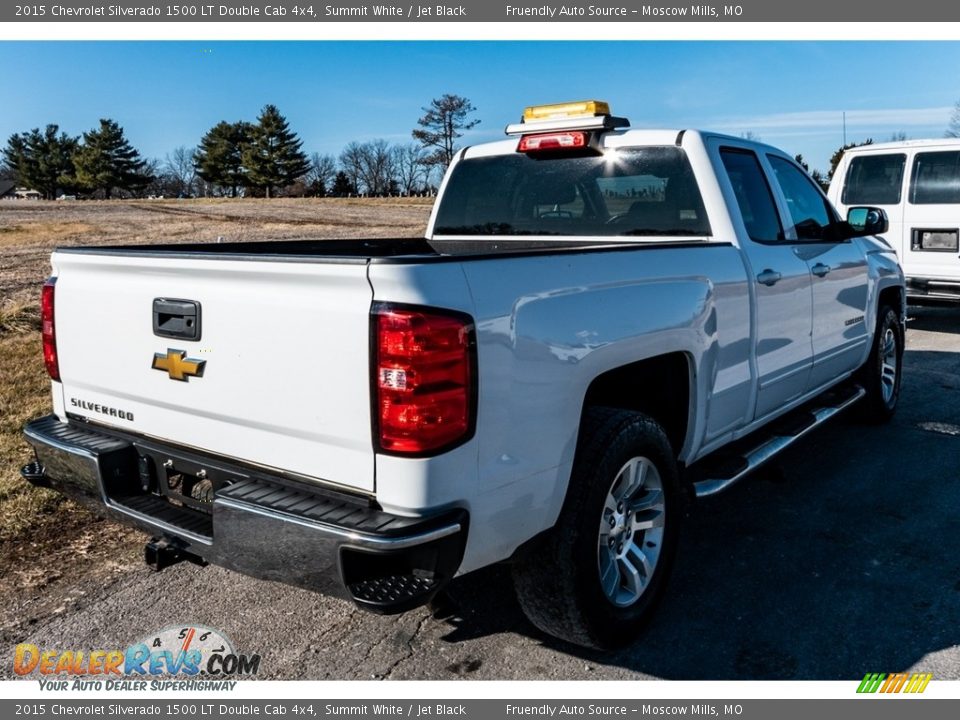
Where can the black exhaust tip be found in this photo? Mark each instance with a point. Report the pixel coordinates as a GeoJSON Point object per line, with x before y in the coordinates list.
{"type": "Point", "coordinates": [35, 474]}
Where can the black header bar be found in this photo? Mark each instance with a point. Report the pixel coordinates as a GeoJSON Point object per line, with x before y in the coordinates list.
{"type": "Point", "coordinates": [617, 11]}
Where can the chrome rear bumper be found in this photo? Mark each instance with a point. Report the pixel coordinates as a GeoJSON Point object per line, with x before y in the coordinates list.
{"type": "Point", "coordinates": [255, 524]}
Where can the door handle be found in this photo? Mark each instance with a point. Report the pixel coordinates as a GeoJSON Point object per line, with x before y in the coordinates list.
{"type": "Point", "coordinates": [820, 270]}
{"type": "Point", "coordinates": [176, 318]}
{"type": "Point", "coordinates": [769, 277]}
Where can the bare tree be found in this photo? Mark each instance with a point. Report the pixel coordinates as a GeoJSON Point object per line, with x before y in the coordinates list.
{"type": "Point", "coordinates": [411, 167]}
{"type": "Point", "coordinates": [378, 175]}
{"type": "Point", "coordinates": [181, 171]}
{"type": "Point", "coordinates": [321, 174]}
{"type": "Point", "coordinates": [953, 127]}
{"type": "Point", "coordinates": [351, 162]}
{"type": "Point", "coordinates": [370, 166]}
{"type": "Point", "coordinates": [160, 181]}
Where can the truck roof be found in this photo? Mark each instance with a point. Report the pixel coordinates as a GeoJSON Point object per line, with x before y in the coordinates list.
{"type": "Point", "coordinates": [626, 137]}
{"type": "Point", "coordinates": [905, 144]}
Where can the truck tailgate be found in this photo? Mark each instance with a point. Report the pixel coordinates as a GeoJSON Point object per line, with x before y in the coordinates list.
{"type": "Point", "coordinates": [285, 378]}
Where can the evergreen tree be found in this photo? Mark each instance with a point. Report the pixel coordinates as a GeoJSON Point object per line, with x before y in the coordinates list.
{"type": "Point", "coordinates": [443, 122]}
{"type": "Point", "coordinates": [273, 158]}
{"type": "Point", "coordinates": [838, 153]}
{"type": "Point", "coordinates": [106, 161]}
{"type": "Point", "coordinates": [15, 157]}
{"type": "Point", "coordinates": [41, 160]}
{"type": "Point", "coordinates": [815, 174]}
{"type": "Point", "coordinates": [820, 179]}
{"type": "Point", "coordinates": [342, 187]}
{"type": "Point", "coordinates": [219, 159]}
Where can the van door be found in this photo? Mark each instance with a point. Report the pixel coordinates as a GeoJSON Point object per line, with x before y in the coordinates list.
{"type": "Point", "coordinates": [839, 278]}
{"type": "Point", "coordinates": [876, 179]}
{"type": "Point", "coordinates": [932, 220]}
{"type": "Point", "coordinates": [781, 281]}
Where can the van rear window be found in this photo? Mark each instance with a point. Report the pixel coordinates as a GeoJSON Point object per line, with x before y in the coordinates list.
{"type": "Point", "coordinates": [874, 180]}
{"type": "Point", "coordinates": [637, 191]}
{"type": "Point", "coordinates": [936, 178]}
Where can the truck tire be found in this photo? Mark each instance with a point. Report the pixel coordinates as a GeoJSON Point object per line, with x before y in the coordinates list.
{"type": "Point", "coordinates": [880, 376]}
{"type": "Point", "coordinates": [595, 578]}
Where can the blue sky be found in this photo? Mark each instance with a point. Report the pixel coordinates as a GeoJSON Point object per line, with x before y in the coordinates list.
{"type": "Point", "coordinates": [790, 94]}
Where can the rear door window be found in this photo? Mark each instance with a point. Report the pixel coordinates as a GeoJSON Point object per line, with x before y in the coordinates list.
{"type": "Point", "coordinates": [757, 207]}
{"type": "Point", "coordinates": [874, 180]}
{"type": "Point", "coordinates": [935, 178]}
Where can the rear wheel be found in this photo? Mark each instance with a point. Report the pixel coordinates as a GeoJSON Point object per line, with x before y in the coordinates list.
{"type": "Point", "coordinates": [595, 578]}
{"type": "Point", "coordinates": [882, 373]}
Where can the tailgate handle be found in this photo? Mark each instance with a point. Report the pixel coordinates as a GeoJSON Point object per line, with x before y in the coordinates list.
{"type": "Point", "coordinates": [176, 319]}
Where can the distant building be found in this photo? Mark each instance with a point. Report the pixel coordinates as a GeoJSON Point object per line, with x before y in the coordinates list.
{"type": "Point", "coordinates": [9, 191]}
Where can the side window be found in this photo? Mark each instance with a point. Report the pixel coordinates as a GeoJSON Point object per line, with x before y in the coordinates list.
{"type": "Point", "coordinates": [808, 209]}
{"type": "Point", "coordinates": [753, 195]}
{"type": "Point", "coordinates": [935, 179]}
{"type": "Point", "coordinates": [874, 180]}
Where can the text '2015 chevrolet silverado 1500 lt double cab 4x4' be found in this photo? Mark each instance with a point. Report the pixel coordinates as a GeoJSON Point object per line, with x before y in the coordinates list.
{"type": "Point", "coordinates": [599, 324]}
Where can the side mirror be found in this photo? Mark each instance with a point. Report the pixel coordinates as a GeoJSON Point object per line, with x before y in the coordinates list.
{"type": "Point", "coordinates": [867, 221]}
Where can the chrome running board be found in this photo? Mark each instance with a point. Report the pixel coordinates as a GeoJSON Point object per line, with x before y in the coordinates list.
{"type": "Point", "coordinates": [773, 443]}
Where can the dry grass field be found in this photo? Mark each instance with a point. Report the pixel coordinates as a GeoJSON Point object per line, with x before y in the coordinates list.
{"type": "Point", "coordinates": [39, 530]}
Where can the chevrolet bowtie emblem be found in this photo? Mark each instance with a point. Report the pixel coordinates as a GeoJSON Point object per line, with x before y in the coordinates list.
{"type": "Point", "coordinates": [177, 365]}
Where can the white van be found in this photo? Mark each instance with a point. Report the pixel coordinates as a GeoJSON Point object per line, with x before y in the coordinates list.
{"type": "Point", "coordinates": [917, 183]}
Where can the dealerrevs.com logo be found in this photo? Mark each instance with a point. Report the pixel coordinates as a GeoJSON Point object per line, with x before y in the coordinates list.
{"type": "Point", "coordinates": [191, 657]}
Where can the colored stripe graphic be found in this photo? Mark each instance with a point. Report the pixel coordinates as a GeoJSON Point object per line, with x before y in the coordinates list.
{"type": "Point", "coordinates": [918, 683]}
{"type": "Point", "coordinates": [871, 682]}
{"type": "Point", "coordinates": [894, 683]}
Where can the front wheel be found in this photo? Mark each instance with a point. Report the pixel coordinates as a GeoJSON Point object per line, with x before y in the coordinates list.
{"type": "Point", "coordinates": [596, 577]}
{"type": "Point", "coordinates": [882, 374]}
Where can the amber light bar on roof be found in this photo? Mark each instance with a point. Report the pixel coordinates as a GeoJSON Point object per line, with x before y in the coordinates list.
{"type": "Point", "coordinates": [580, 115]}
{"type": "Point", "coordinates": [581, 108]}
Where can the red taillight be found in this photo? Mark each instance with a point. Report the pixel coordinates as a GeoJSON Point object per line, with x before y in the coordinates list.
{"type": "Point", "coordinates": [424, 368]}
{"type": "Point", "coordinates": [552, 141]}
{"type": "Point", "coordinates": [49, 330]}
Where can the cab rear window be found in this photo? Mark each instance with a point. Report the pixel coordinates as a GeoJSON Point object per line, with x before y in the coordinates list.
{"type": "Point", "coordinates": [638, 191]}
{"type": "Point", "coordinates": [874, 180]}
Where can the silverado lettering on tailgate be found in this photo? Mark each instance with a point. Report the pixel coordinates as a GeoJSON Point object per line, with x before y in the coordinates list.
{"type": "Point", "coordinates": [102, 409]}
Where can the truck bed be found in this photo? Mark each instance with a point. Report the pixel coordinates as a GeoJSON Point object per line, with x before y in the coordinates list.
{"type": "Point", "coordinates": [375, 249]}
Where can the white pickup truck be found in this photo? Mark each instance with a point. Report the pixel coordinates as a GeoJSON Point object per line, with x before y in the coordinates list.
{"type": "Point", "coordinates": [599, 324]}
